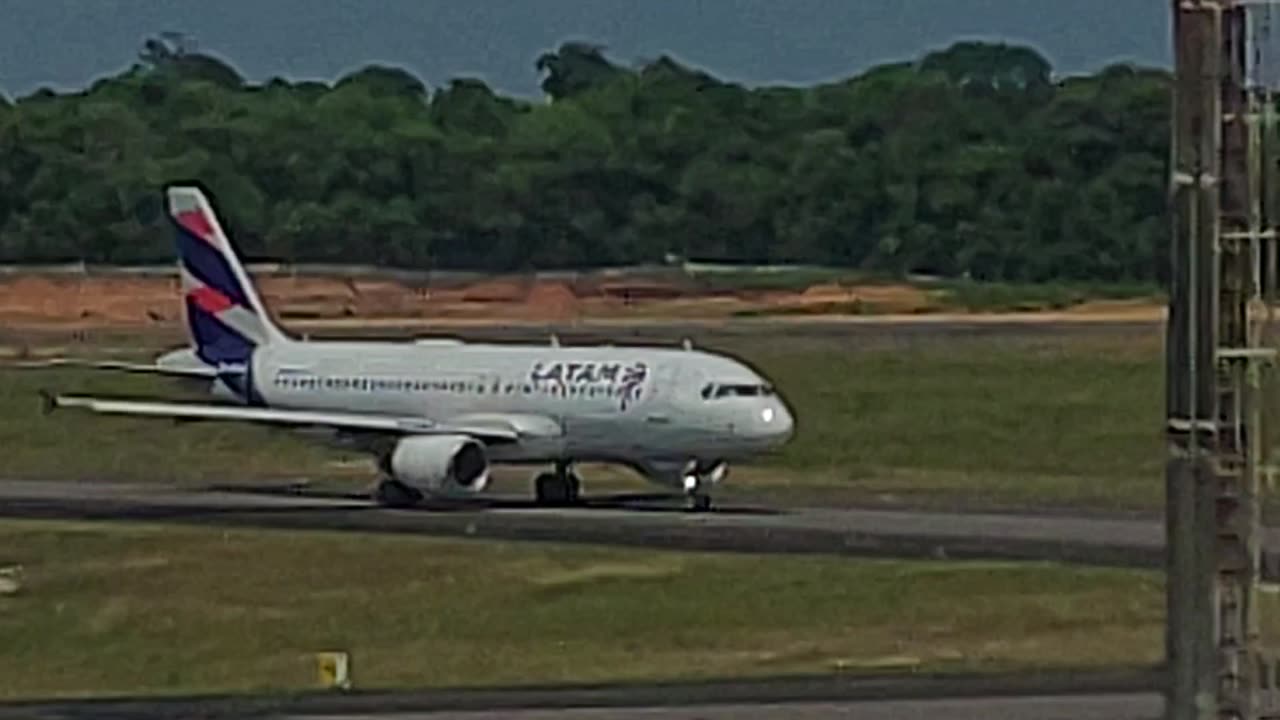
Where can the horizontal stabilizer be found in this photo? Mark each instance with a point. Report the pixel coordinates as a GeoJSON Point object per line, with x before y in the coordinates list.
{"type": "Point", "coordinates": [204, 372]}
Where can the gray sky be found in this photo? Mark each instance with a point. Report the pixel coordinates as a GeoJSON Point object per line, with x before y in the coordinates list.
{"type": "Point", "coordinates": [65, 44]}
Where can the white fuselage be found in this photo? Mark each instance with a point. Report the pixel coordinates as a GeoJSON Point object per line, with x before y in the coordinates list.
{"type": "Point", "coordinates": [436, 412]}
{"type": "Point", "coordinates": [640, 406]}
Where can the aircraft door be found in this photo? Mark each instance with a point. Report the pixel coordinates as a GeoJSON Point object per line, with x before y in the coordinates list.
{"type": "Point", "coordinates": [658, 390]}
{"type": "Point", "coordinates": [657, 407]}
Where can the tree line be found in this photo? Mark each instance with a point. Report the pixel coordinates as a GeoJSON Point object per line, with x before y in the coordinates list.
{"type": "Point", "coordinates": [971, 161]}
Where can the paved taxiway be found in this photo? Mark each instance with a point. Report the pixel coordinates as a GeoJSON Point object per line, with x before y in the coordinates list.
{"type": "Point", "coordinates": [629, 520]}
{"type": "Point", "coordinates": [1111, 707]}
{"type": "Point", "coordinates": [1148, 706]}
{"type": "Point", "coordinates": [1103, 695]}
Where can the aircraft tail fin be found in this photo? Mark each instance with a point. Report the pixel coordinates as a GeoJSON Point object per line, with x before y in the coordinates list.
{"type": "Point", "coordinates": [225, 318]}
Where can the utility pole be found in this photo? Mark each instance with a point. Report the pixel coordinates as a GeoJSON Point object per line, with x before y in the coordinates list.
{"type": "Point", "coordinates": [1219, 360]}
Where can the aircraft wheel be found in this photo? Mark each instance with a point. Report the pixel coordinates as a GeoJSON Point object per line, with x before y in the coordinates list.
{"type": "Point", "coordinates": [395, 494]}
{"type": "Point", "coordinates": [572, 481]}
{"type": "Point", "coordinates": [700, 502]}
{"type": "Point", "coordinates": [575, 487]}
{"type": "Point", "coordinates": [556, 489]}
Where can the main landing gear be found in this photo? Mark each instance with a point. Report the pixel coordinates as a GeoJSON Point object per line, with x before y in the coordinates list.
{"type": "Point", "coordinates": [395, 494]}
{"type": "Point", "coordinates": [560, 488]}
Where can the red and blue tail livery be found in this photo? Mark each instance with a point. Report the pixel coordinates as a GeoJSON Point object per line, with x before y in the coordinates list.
{"type": "Point", "coordinates": [225, 318]}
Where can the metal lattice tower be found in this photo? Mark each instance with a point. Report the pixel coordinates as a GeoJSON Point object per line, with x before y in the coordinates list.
{"type": "Point", "coordinates": [1219, 360]}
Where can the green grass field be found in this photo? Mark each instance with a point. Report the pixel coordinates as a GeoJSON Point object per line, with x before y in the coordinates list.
{"type": "Point", "coordinates": [143, 608]}
{"type": "Point", "coordinates": [987, 422]}
{"type": "Point", "coordinates": [966, 295]}
{"type": "Point", "coordinates": [1068, 420]}
{"type": "Point", "coordinates": [78, 445]}
{"type": "Point", "coordinates": [1031, 297]}
{"type": "Point", "coordinates": [1071, 419]}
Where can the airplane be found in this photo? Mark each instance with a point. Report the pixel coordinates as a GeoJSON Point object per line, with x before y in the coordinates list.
{"type": "Point", "coordinates": [437, 413]}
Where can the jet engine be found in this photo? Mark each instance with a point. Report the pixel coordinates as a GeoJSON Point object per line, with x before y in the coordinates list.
{"type": "Point", "coordinates": [439, 464]}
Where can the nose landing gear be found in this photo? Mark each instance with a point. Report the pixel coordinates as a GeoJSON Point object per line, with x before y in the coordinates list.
{"type": "Point", "coordinates": [698, 476]}
{"type": "Point", "coordinates": [699, 502]}
{"type": "Point", "coordinates": [696, 479]}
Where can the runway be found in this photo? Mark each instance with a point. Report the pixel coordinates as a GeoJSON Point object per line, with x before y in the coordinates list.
{"type": "Point", "coordinates": [1138, 706]}
{"type": "Point", "coordinates": [1107, 695]}
{"type": "Point", "coordinates": [630, 520]}
{"type": "Point", "coordinates": [1105, 707]}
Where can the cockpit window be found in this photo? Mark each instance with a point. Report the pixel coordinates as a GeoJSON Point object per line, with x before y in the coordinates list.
{"type": "Point", "coordinates": [715, 390]}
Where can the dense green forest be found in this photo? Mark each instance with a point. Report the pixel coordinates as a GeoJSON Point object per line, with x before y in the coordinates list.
{"type": "Point", "coordinates": [975, 160]}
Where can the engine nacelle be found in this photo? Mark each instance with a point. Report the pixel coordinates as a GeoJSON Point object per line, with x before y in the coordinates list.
{"type": "Point", "coordinates": [440, 464]}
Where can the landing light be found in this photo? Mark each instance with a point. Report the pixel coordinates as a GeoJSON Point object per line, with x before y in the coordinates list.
{"type": "Point", "coordinates": [767, 414]}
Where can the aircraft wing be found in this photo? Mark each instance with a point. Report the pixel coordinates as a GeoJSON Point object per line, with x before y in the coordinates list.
{"type": "Point", "coordinates": [205, 372]}
{"type": "Point", "coordinates": [490, 430]}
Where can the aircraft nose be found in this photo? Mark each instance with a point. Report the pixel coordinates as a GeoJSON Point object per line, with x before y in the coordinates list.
{"type": "Point", "coordinates": [786, 423]}
{"type": "Point", "coordinates": [776, 422]}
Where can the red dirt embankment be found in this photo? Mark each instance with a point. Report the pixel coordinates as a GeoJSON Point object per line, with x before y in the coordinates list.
{"type": "Point", "coordinates": [81, 300]}
{"type": "Point", "coordinates": [89, 301]}
{"type": "Point", "coordinates": [97, 300]}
